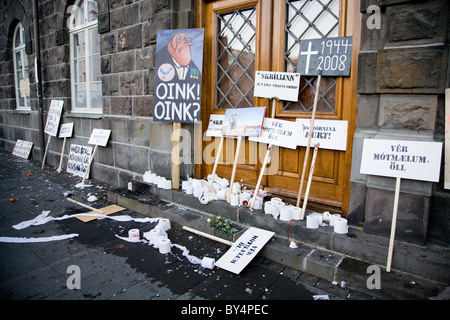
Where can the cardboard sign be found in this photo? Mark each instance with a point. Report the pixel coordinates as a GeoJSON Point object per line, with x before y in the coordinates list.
{"type": "Point", "coordinates": [280, 133]}
{"type": "Point", "coordinates": [22, 148]}
{"type": "Point", "coordinates": [53, 117]}
{"type": "Point", "coordinates": [215, 125]}
{"type": "Point", "coordinates": [280, 85]}
{"type": "Point", "coordinates": [331, 134]}
{"type": "Point", "coordinates": [99, 137]}
{"type": "Point", "coordinates": [243, 122]}
{"type": "Point", "coordinates": [244, 250]}
{"type": "Point", "coordinates": [79, 157]}
{"type": "Point", "coordinates": [178, 76]}
{"type": "Point", "coordinates": [326, 56]}
{"type": "Point", "coordinates": [416, 160]}
{"type": "Point", "coordinates": [66, 130]}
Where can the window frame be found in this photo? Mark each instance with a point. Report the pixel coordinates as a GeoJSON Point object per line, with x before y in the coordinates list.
{"type": "Point", "coordinates": [20, 31]}
{"type": "Point", "coordinates": [83, 28]}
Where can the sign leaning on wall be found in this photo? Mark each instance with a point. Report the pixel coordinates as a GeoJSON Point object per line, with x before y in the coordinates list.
{"type": "Point", "coordinates": [178, 76]}
{"type": "Point", "coordinates": [53, 117]}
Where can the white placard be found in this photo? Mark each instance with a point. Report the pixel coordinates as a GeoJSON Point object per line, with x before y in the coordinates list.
{"type": "Point", "coordinates": [99, 137]}
{"type": "Point", "coordinates": [215, 125]}
{"type": "Point", "coordinates": [416, 160]}
{"type": "Point", "coordinates": [279, 133]}
{"type": "Point", "coordinates": [66, 130]}
{"type": "Point", "coordinates": [79, 157]}
{"type": "Point", "coordinates": [447, 140]}
{"type": "Point", "coordinates": [53, 117]}
{"type": "Point", "coordinates": [331, 134]}
{"type": "Point", "coordinates": [280, 85]}
{"type": "Point", "coordinates": [22, 148]}
{"type": "Point", "coordinates": [244, 250]}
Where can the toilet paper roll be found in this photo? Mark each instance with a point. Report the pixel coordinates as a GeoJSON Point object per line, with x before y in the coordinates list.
{"type": "Point", "coordinates": [333, 218]}
{"type": "Point", "coordinates": [340, 226]}
{"type": "Point", "coordinates": [164, 245]}
{"type": "Point", "coordinates": [167, 185]}
{"type": "Point", "coordinates": [222, 193]}
{"type": "Point", "coordinates": [198, 191]}
{"type": "Point", "coordinates": [234, 201]}
{"type": "Point", "coordinates": [224, 182]}
{"type": "Point", "coordinates": [244, 199]}
{"type": "Point", "coordinates": [285, 213]}
{"type": "Point", "coordinates": [276, 200]}
{"type": "Point", "coordinates": [269, 207]}
{"type": "Point", "coordinates": [133, 234]}
{"type": "Point", "coordinates": [258, 203]}
{"type": "Point", "coordinates": [157, 241]}
{"type": "Point", "coordinates": [319, 217]}
{"type": "Point", "coordinates": [164, 223]}
{"type": "Point", "coordinates": [296, 213]}
{"type": "Point", "coordinates": [161, 182]}
{"type": "Point", "coordinates": [208, 263]}
{"type": "Point", "coordinates": [189, 188]}
{"type": "Point", "coordinates": [312, 222]}
{"type": "Point", "coordinates": [152, 235]}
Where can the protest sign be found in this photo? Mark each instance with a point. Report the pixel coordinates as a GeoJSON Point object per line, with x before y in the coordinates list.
{"type": "Point", "coordinates": [331, 134]}
{"type": "Point", "coordinates": [325, 56]}
{"type": "Point", "coordinates": [53, 117]}
{"type": "Point", "coordinates": [243, 122]}
{"type": "Point", "coordinates": [79, 157]}
{"type": "Point", "coordinates": [416, 160]}
{"type": "Point", "coordinates": [22, 148]}
{"type": "Point", "coordinates": [66, 130]}
{"type": "Point", "coordinates": [244, 249]}
{"type": "Point", "coordinates": [215, 125]}
{"type": "Point", "coordinates": [280, 133]}
{"type": "Point", "coordinates": [99, 137]}
{"type": "Point", "coordinates": [178, 76]}
{"type": "Point", "coordinates": [280, 85]}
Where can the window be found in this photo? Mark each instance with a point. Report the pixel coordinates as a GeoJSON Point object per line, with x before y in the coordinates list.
{"type": "Point", "coordinates": [22, 81]}
{"type": "Point", "coordinates": [85, 58]}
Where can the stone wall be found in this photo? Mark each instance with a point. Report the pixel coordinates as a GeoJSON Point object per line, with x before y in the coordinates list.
{"type": "Point", "coordinates": [403, 71]}
{"type": "Point", "coordinates": [128, 37]}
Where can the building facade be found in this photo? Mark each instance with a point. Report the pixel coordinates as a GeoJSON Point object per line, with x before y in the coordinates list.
{"type": "Point", "coordinates": [98, 56]}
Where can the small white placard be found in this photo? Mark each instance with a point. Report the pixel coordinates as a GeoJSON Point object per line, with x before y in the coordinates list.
{"type": "Point", "coordinates": [416, 160]}
{"type": "Point", "coordinates": [331, 134]}
{"type": "Point", "coordinates": [66, 130]}
{"type": "Point", "coordinates": [53, 117]}
{"type": "Point", "coordinates": [99, 137]}
{"type": "Point", "coordinates": [280, 133]}
{"type": "Point", "coordinates": [79, 157]}
{"type": "Point", "coordinates": [215, 125]}
{"type": "Point", "coordinates": [22, 148]}
{"type": "Point", "coordinates": [244, 250]}
{"type": "Point", "coordinates": [280, 85]}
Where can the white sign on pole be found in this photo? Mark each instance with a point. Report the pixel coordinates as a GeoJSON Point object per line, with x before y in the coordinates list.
{"type": "Point", "coordinates": [244, 250]}
{"type": "Point", "coordinates": [54, 115]}
{"type": "Point", "coordinates": [79, 157]}
{"type": "Point", "coordinates": [66, 130]}
{"type": "Point", "coordinates": [447, 140]}
{"type": "Point", "coordinates": [280, 133]}
{"type": "Point", "coordinates": [416, 160]}
{"type": "Point", "coordinates": [99, 137]}
{"type": "Point", "coordinates": [331, 134]}
{"type": "Point", "coordinates": [215, 125]}
{"type": "Point", "coordinates": [280, 85]}
{"type": "Point", "coordinates": [22, 148]}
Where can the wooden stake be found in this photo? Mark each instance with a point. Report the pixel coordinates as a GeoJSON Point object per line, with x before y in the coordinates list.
{"type": "Point", "coordinates": [90, 162]}
{"type": "Point", "coordinates": [62, 155]}
{"type": "Point", "coordinates": [176, 155]}
{"type": "Point", "coordinates": [45, 153]}
{"type": "Point", "coordinates": [393, 225]}
{"type": "Point", "coordinates": [216, 162]}
{"type": "Point", "coordinates": [209, 236]}
{"type": "Point", "coordinates": [311, 171]}
{"type": "Point", "coordinates": [83, 205]}
{"type": "Point", "coordinates": [233, 174]}
{"type": "Point", "coordinates": [311, 128]}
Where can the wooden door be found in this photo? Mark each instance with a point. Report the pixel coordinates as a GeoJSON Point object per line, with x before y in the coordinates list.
{"type": "Point", "coordinates": [243, 36]}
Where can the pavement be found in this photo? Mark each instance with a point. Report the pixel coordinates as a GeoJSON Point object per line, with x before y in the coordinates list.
{"type": "Point", "coordinates": [113, 269]}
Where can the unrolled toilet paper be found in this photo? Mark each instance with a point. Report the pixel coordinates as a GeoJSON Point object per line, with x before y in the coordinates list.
{"type": "Point", "coordinates": [208, 263]}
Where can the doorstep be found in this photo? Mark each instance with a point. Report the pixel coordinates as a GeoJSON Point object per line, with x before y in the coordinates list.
{"type": "Point", "coordinates": [321, 252]}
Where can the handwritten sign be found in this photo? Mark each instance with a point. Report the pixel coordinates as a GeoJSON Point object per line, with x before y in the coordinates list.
{"type": "Point", "coordinates": [244, 250]}
{"type": "Point", "coordinates": [280, 133]}
{"type": "Point", "coordinates": [99, 137]}
{"type": "Point", "coordinates": [331, 134]}
{"type": "Point", "coordinates": [22, 148]}
{"type": "Point", "coordinates": [178, 76]}
{"type": "Point", "coordinates": [215, 125]}
{"type": "Point", "coordinates": [66, 130]}
{"type": "Point", "coordinates": [79, 157]}
{"type": "Point", "coordinates": [280, 85]}
{"type": "Point", "coordinates": [326, 56]}
{"type": "Point", "coordinates": [53, 117]}
{"type": "Point", "coordinates": [416, 160]}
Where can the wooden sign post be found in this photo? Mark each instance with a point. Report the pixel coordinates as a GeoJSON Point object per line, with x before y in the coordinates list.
{"type": "Point", "coordinates": [416, 160]}
{"type": "Point", "coordinates": [98, 137]}
{"type": "Point", "coordinates": [64, 132]}
{"type": "Point", "coordinates": [322, 57]}
{"type": "Point", "coordinates": [447, 140]}
{"type": "Point", "coordinates": [51, 127]}
{"type": "Point", "coordinates": [215, 130]}
{"type": "Point", "coordinates": [311, 172]}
